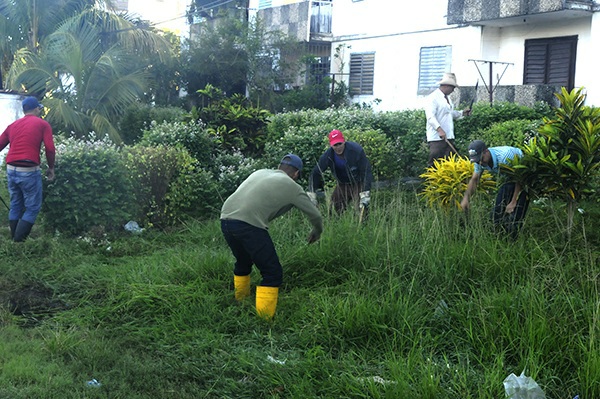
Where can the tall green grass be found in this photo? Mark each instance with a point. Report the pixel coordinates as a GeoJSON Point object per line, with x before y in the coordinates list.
{"type": "Point", "coordinates": [414, 303]}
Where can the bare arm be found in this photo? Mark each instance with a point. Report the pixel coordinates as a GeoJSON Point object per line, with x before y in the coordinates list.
{"type": "Point", "coordinates": [510, 207]}
{"type": "Point", "coordinates": [471, 187]}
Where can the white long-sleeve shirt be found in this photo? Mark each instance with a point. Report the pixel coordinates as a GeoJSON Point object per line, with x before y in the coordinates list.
{"type": "Point", "coordinates": [440, 113]}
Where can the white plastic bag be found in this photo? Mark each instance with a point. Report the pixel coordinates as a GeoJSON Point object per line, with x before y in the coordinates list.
{"type": "Point", "coordinates": [522, 387]}
{"type": "Point", "coordinates": [133, 227]}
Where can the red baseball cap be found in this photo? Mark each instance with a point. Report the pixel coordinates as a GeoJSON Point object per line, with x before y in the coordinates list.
{"type": "Point", "coordinates": [335, 136]}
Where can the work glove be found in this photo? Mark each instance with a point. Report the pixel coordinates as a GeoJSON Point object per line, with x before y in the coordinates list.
{"type": "Point", "coordinates": [313, 198]}
{"type": "Point", "coordinates": [365, 199]}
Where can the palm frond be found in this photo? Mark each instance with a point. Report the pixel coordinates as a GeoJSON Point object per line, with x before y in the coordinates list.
{"type": "Point", "coordinates": [31, 73]}
{"type": "Point", "coordinates": [103, 126]}
{"type": "Point", "coordinates": [64, 115]}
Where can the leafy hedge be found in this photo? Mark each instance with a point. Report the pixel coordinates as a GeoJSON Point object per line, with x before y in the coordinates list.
{"type": "Point", "coordinates": [91, 189]}
{"type": "Point", "coordinates": [188, 168]}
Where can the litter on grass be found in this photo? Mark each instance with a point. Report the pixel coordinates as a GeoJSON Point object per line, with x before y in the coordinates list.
{"type": "Point", "coordinates": [273, 360]}
{"type": "Point", "coordinates": [93, 383]}
{"type": "Point", "coordinates": [522, 387]}
{"type": "Point", "coordinates": [377, 379]}
{"type": "Point", "coordinates": [133, 227]}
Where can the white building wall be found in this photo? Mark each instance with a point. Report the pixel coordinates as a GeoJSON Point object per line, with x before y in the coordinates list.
{"type": "Point", "coordinates": [396, 32]}
{"type": "Point", "coordinates": [508, 45]}
{"type": "Point", "coordinates": [590, 71]}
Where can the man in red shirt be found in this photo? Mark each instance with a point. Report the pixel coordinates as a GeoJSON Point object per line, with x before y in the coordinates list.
{"type": "Point", "coordinates": [26, 136]}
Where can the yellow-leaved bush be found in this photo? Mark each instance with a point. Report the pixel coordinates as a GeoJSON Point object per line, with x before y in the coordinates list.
{"type": "Point", "coordinates": [446, 181]}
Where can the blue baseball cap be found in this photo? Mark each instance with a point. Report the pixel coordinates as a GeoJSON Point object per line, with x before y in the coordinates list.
{"type": "Point", "coordinates": [30, 103]}
{"type": "Point", "coordinates": [292, 160]}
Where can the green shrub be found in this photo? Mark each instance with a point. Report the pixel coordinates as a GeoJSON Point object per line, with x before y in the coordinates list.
{"type": "Point", "coordinates": [308, 142]}
{"type": "Point", "coordinates": [169, 185]}
{"type": "Point", "coordinates": [327, 120]}
{"type": "Point", "coordinates": [406, 129]}
{"type": "Point", "coordinates": [138, 118]}
{"type": "Point", "coordinates": [230, 170]}
{"type": "Point", "coordinates": [91, 189]}
{"type": "Point", "coordinates": [189, 135]}
{"type": "Point", "coordinates": [516, 132]}
{"type": "Point", "coordinates": [233, 121]}
{"type": "Point", "coordinates": [483, 116]}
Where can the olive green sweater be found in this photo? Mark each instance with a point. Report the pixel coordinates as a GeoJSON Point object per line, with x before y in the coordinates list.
{"type": "Point", "coordinates": [267, 194]}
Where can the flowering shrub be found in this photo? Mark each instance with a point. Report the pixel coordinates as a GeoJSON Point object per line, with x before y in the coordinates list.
{"type": "Point", "coordinates": [91, 188]}
{"type": "Point", "coordinates": [189, 135]}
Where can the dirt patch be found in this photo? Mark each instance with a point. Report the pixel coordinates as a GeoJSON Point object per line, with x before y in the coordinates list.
{"type": "Point", "coordinates": [32, 302]}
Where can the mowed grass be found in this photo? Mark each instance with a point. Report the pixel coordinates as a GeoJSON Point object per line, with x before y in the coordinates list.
{"type": "Point", "coordinates": [415, 303]}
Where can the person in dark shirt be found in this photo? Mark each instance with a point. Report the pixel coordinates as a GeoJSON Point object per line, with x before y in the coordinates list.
{"type": "Point", "coordinates": [350, 167]}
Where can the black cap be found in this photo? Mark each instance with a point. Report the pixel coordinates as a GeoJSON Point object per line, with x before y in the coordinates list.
{"type": "Point", "coordinates": [476, 149]}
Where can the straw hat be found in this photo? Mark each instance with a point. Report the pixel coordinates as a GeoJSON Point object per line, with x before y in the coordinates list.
{"type": "Point", "coordinates": [448, 79]}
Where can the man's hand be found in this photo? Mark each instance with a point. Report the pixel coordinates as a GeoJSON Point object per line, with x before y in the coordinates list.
{"type": "Point", "coordinates": [313, 198]}
{"type": "Point", "coordinates": [313, 237]}
{"type": "Point", "coordinates": [441, 133]}
{"type": "Point", "coordinates": [464, 204]}
{"type": "Point", "coordinates": [466, 112]}
{"type": "Point", "coordinates": [50, 174]}
{"type": "Point", "coordinates": [510, 208]}
{"type": "Point", "coordinates": [365, 199]}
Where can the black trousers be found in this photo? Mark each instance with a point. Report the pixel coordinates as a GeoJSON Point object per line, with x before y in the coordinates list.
{"type": "Point", "coordinates": [253, 246]}
{"type": "Point", "coordinates": [509, 223]}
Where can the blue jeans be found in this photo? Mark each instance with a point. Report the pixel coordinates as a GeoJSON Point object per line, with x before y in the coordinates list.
{"type": "Point", "coordinates": [251, 245]}
{"type": "Point", "coordinates": [25, 190]}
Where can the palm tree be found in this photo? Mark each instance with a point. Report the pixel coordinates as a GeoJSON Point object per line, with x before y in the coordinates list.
{"type": "Point", "coordinates": [88, 70]}
{"type": "Point", "coordinates": [24, 22]}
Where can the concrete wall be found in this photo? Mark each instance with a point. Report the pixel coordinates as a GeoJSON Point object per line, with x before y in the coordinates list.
{"type": "Point", "coordinates": [467, 11]}
{"type": "Point", "coordinates": [10, 111]}
{"type": "Point", "coordinates": [292, 19]}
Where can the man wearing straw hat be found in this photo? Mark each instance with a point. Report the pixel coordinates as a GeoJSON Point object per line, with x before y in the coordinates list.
{"type": "Point", "coordinates": [440, 115]}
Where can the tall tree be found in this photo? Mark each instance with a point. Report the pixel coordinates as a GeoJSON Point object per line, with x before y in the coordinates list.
{"type": "Point", "coordinates": [240, 58]}
{"type": "Point", "coordinates": [88, 70]}
{"type": "Point", "coordinates": [23, 23]}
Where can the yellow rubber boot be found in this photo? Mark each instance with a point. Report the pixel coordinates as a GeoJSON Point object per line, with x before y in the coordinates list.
{"type": "Point", "coordinates": [266, 301]}
{"type": "Point", "coordinates": [241, 285]}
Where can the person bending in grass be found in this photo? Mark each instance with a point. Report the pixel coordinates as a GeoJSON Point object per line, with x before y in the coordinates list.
{"type": "Point", "coordinates": [511, 201]}
{"type": "Point", "coordinates": [245, 217]}
{"type": "Point", "coordinates": [352, 171]}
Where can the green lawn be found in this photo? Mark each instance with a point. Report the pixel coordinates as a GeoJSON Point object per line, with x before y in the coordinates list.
{"type": "Point", "coordinates": [416, 303]}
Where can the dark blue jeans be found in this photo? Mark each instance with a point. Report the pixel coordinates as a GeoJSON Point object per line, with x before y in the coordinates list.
{"type": "Point", "coordinates": [25, 190]}
{"type": "Point", "coordinates": [253, 246]}
{"type": "Point", "coordinates": [509, 222]}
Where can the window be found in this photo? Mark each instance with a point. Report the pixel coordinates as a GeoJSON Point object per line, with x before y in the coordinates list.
{"type": "Point", "coordinates": [433, 63]}
{"type": "Point", "coordinates": [262, 4]}
{"type": "Point", "coordinates": [362, 70]}
{"type": "Point", "coordinates": [550, 61]}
